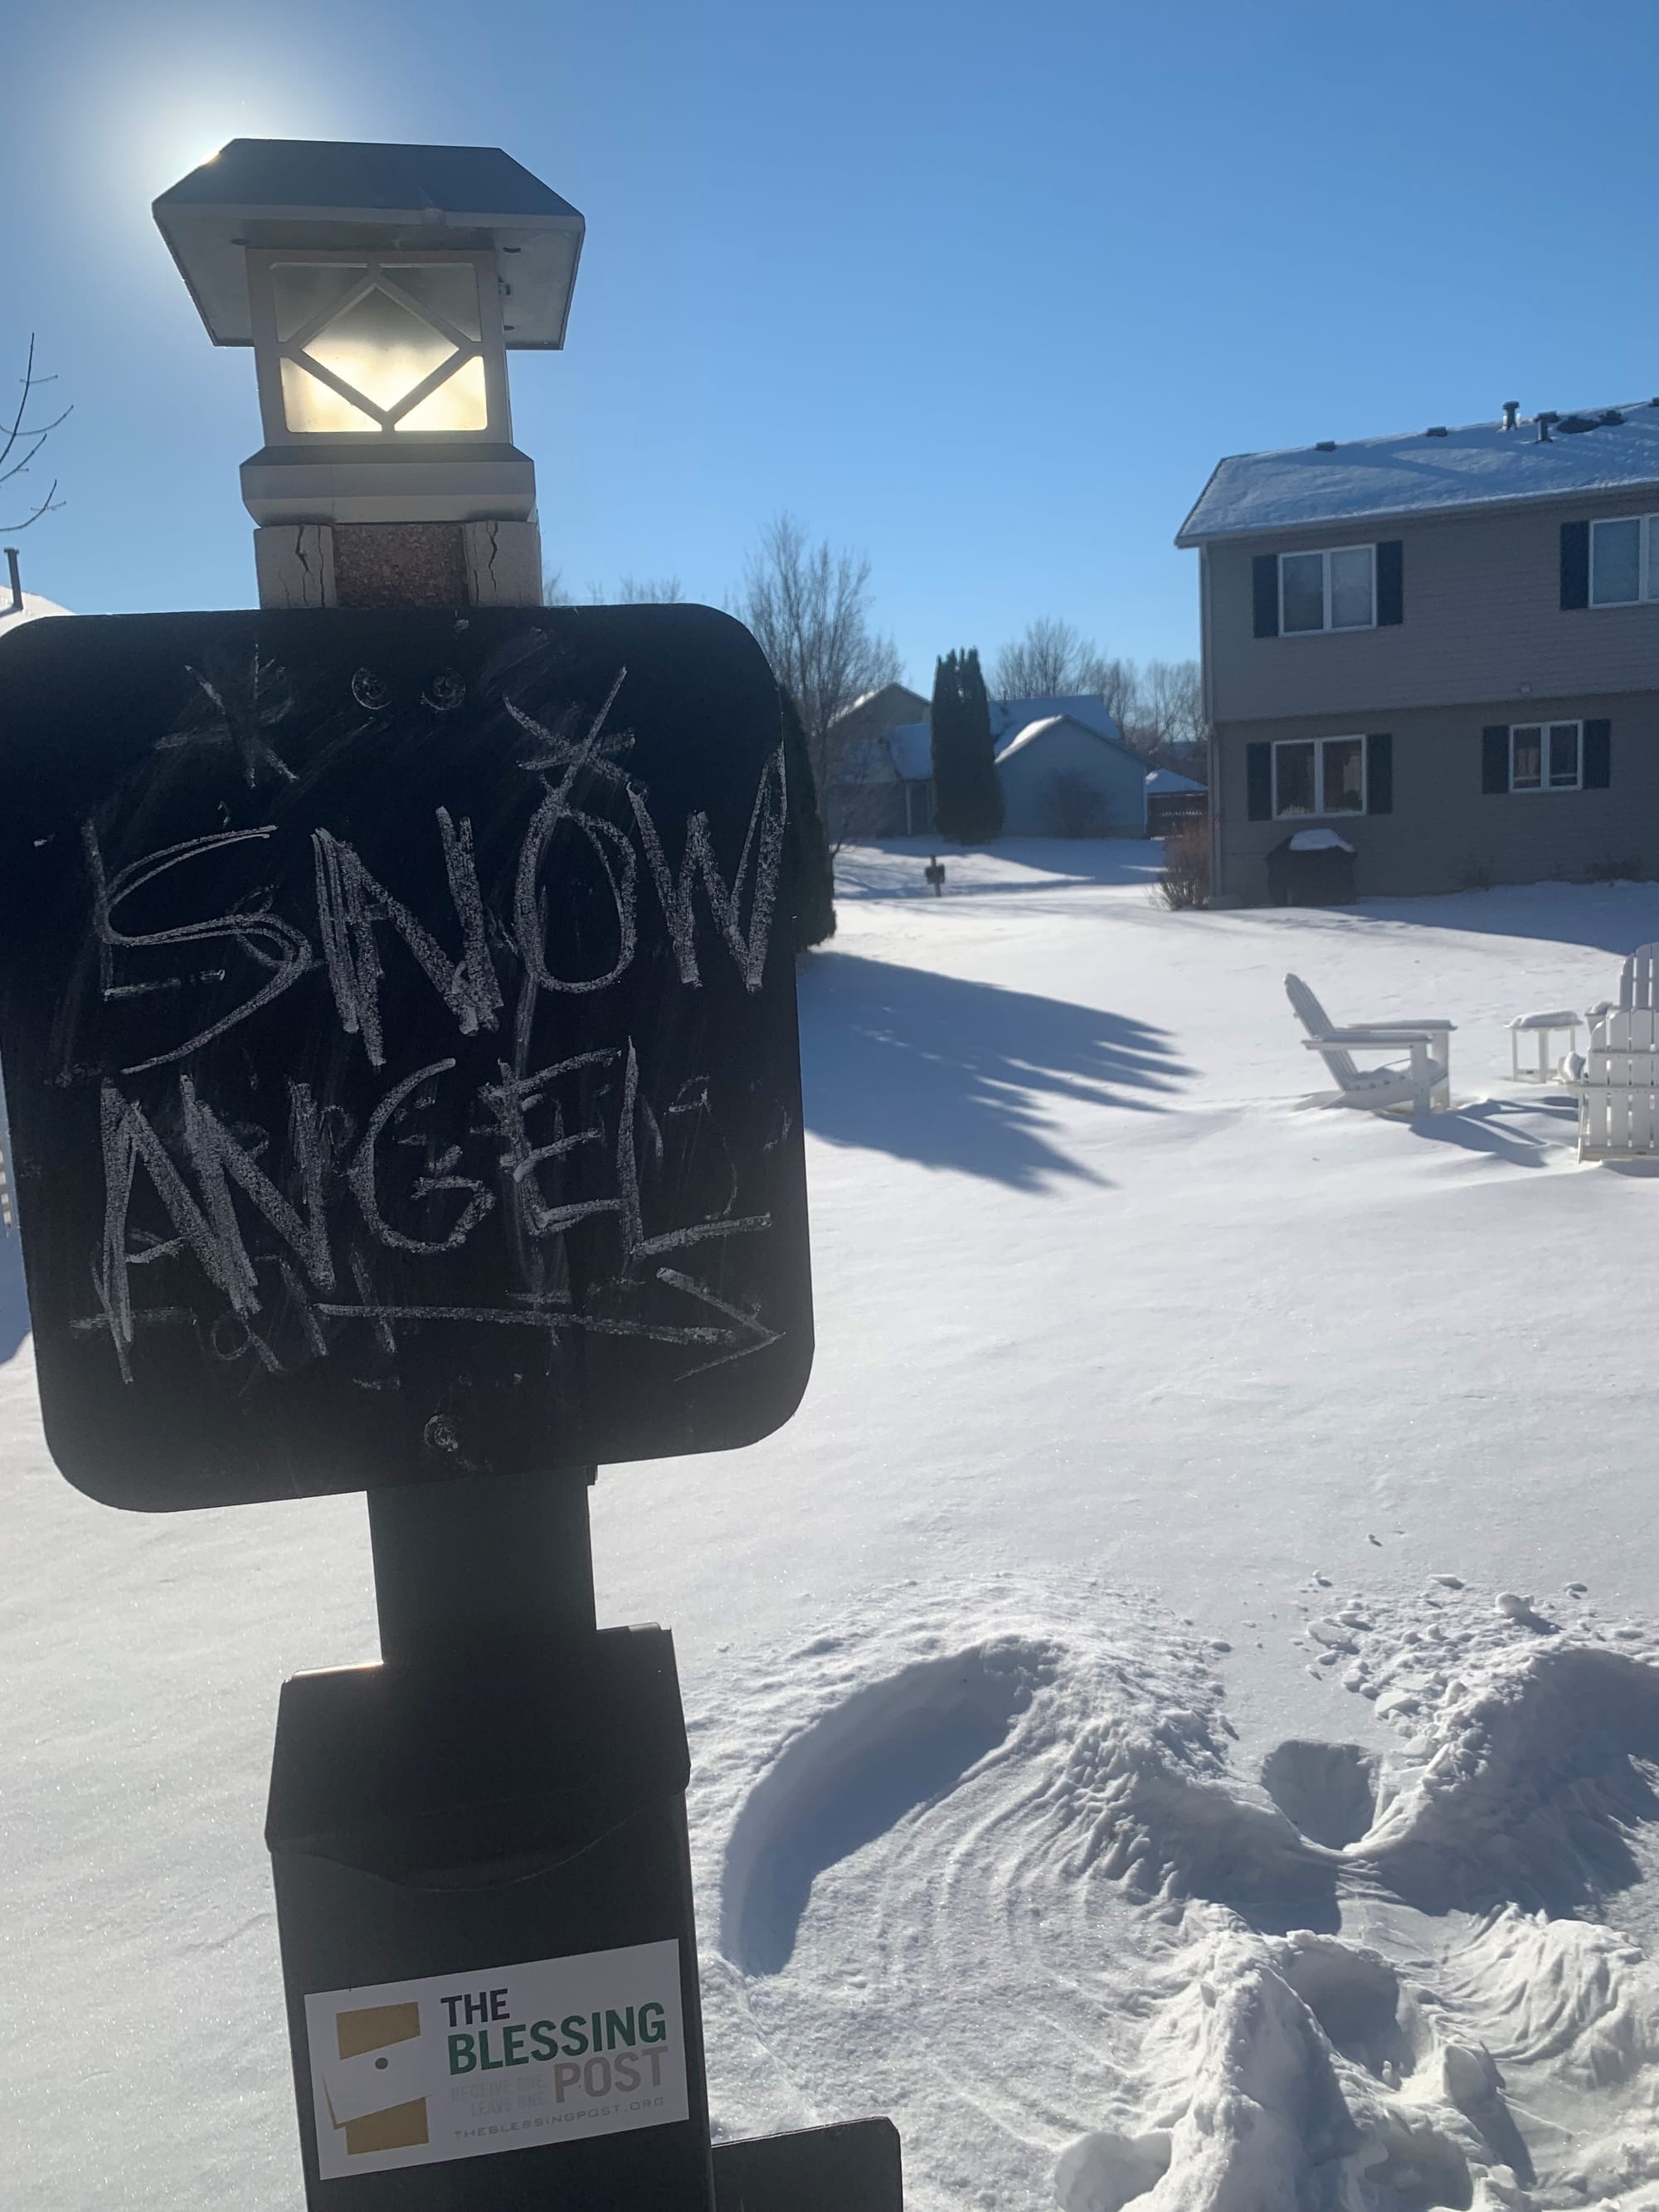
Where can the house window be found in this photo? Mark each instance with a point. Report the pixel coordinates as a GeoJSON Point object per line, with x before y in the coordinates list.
{"type": "Point", "coordinates": [1546, 756]}
{"type": "Point", "coordinates": [1624, 561]}
{"type": "Point", "coordinates": [1318, 775]}
{"type": "Point", "coordinates": [1328, 591]}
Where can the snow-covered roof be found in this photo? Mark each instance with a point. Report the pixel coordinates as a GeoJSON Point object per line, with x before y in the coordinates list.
{"type": "Point", "coordinates": [1417, 472]}
{"type": "Point", "coordinates": [910, 748]}
{"type": "Point", "coordinates": [1162, 779]}
{"type": "Point", "coordinates": [32, 608]}
{"type": "Point", "coordinates": [1044, 726]}
{"type": "Point", "coordinates": [1086, 707]}
{"type": "Point", "coordinates": [906, 748]}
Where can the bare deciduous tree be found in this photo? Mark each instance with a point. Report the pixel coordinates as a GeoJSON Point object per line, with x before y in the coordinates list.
{"type": "Point", "coordinates": [809, 607]}
{"type": "Point", "coordinates": [1053, 660]}
{"type": "Point", "coordinates": [21, 441]}
{"type": "Point", "coordinates": [1169, 724]}
{"type": "Point", "coordinates": [649, 591]}
{"type": "Point", "coordinates": [631, 592]}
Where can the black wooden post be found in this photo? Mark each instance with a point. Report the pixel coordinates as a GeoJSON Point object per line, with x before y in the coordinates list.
{"type": "Point", "coordinates": [481, 1563]}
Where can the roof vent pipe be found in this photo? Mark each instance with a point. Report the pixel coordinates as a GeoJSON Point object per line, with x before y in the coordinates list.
{"type": "Point", "coordinates": [1511, 409]}
{"type": "Point", "coordinates": [16, 606]}
{"type": "Point", "coordinates": [1543, 422]}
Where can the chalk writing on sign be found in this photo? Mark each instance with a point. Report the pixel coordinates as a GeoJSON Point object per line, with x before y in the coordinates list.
{"type": "Point", "coordinates": [420, 1007]}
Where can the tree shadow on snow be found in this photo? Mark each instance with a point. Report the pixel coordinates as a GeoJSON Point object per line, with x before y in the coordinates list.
{"type": "Point", "coordinates": [955, 1074]}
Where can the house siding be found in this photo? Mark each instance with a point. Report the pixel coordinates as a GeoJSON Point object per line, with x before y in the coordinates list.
{"type": "Point", "coordinates": [1117, 777]}
{"type": "Point", "coordinates": [1483, 622]}
{"type": "Point", "coordinates": [1444, 833]}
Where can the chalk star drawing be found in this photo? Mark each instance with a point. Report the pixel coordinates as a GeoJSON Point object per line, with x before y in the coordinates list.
{"type": "Point", "coordinates": [235, 706]}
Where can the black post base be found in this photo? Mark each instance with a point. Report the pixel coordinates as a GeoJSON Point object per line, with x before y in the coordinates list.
{"type": "Point", "coordinates": [854, 2167]}
{"type": "Point", "coordinates": [483, 1897]}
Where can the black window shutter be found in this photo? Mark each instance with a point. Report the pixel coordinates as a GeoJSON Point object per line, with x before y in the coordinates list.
{"type": "Point", "coordinates": [1598, 756]}
{"type": "Point", "coordinates": [1575, 564]}
{"type": "Point", "coordinates": [1265, 581]}
{"type": "Point", "coordinates": [1379, 774]}
{"type": "Point", "coordinates": [1495, 757]}
{"type": "Point", "coordinates": [1390, 582]}
{"type": "Point", "coordinates": [1258, 782]}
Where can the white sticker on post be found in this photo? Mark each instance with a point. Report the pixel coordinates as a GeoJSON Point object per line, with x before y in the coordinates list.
{"type": "Point", "coordinates": [509, 2058]}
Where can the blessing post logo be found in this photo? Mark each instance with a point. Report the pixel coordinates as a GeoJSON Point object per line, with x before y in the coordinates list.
{"type": "Point", "coordinates": [414, 2073]}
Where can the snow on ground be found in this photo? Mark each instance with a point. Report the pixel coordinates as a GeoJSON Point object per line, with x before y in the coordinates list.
{"type": "Point", "coordinates": [1175, 1717]}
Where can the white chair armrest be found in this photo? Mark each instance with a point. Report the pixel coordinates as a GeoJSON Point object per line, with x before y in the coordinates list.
{"type": "Point", "coordinates": [1371, 1036]}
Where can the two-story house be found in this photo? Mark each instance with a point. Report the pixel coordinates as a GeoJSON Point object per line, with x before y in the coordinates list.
{"type": "Point", "coordinates": [1445, 645]}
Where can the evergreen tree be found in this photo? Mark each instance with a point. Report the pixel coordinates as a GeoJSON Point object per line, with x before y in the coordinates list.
{"type": "Point", "coordinates": [979, 750]}
{"type": "Point", "coordinates": [808, 872]}
{"type": "Point", "coordinates": [967, 795]}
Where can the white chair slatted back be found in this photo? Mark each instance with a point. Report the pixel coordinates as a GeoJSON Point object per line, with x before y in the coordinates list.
{"type": "Point", "coordinates": [1621, 1110]}
{"type": "Point", "coordinates": [1318, 1023]}
{"type": "Point", "coordinates": [1635, 980]}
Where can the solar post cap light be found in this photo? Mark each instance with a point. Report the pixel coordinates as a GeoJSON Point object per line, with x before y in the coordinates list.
{"type": "Point", "coordinates": [397, 1005]}
{"type": "Point", "coordinates": [380, 289]}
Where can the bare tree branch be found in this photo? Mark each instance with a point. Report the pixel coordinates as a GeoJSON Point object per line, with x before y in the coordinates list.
{"type": "Point", "coordinates": [20, 441]}
{"type": "Point", "coordinates": [809, 607]}
{"type": "Point", "coordinates": [649, 591]}
{"type": "Point", "coordinates": [1054, 661]}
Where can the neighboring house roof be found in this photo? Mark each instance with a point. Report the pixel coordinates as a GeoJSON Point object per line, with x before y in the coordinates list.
{"type": "Point", "coordinates": [1085, 706]}
{"type": "Point", "coordinates": [1045, 725]}
{"type": "Point", "coordinates": [873, 706]}
{"type": "Point", "coordinates": [34, 607]}
{"type": "Point", "coordinates": [1160, 780]}
{"type": "Point", "coordinates": [1419, 472]}
{"type": "Point", "coordinates": [911, 748]}
{"type": "Point", "coordinates": [904, 751]}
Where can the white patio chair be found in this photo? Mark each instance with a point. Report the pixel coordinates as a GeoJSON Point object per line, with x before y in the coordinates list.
{"type": "Point", "coordinates": [1421, 1084]}
{"type": "Point", "coordinates": [1617, 1080]}
{"type": "Point", "coordinates": [1635, 980]}
{"type": "Point", "coordinates": [1635, 986]}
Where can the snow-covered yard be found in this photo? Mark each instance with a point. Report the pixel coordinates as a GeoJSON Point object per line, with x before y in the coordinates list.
{"type": "Point", "coordinates": [1176, 1460]}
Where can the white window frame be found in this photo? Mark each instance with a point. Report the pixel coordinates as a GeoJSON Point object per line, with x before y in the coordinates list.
{"type": "Point", "coordinates": [1647, 563]}
{"type": "Point", "coordinates": [1322, 813]}
{"type": "Point", "coordinates": [1543, 787]}
{"type": "Point", "coordinates": [1322, 554]}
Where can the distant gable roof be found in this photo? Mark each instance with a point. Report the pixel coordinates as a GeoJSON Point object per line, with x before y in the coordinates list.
{"type": "Point", "coordinates": [1086, 707]}
{"type": "Point", "coordinates": [1160, 780]}
{"type": "Point", "coordinates": [874, 706]}
{"type": "Point", "coordinates": [910, 748]}
{"type": "Point", "coordinates": [1045, 725]}
{"type": "Point", "coordinates": [1479, 465]}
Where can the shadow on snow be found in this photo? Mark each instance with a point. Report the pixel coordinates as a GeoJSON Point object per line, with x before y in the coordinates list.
{"type": "Point", "coordinates": [956, 1074]}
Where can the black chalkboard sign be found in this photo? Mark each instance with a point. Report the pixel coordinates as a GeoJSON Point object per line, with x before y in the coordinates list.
{"type": "Point", "coordinates": [397, 1021]}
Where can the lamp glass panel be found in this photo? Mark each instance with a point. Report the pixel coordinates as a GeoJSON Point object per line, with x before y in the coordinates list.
{"type": "Point", "coordinates": [380, 348]}
{"type": "Point", "coordinates": [310, 404]}
{"type": "Point", "coordinates": [461, 402]}
{"type": "Point", "coordinates": [450, 288]}
{"type": "Point", "coordinates": [302, 290]}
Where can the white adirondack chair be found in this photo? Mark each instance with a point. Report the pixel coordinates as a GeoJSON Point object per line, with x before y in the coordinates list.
{"type": "Point", "coordinates": [1617, 1080]}
{"type": "Point", "coordinates": [1419, 1086]}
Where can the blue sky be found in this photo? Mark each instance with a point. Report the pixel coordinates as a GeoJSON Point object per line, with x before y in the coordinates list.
{"type": "Point", "coordinates": [983, 291]}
